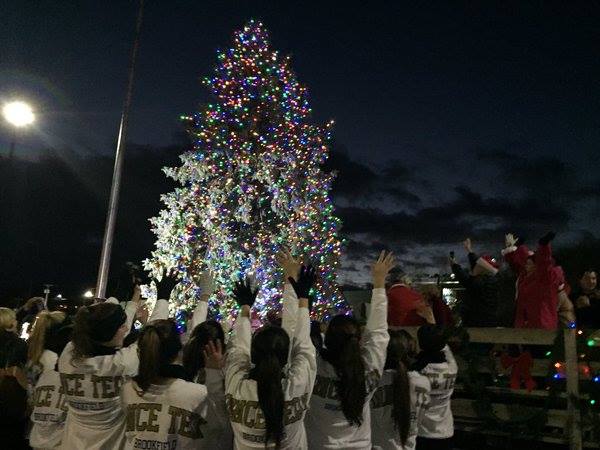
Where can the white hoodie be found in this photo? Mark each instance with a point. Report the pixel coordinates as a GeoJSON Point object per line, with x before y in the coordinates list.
{"type": "Point", "coordinates": [49, 408]}
{"type": "Point", "coordinates": [92, 387]}
{"type": "Point", "coordinates": [326, 425]}
{"type": "Point", "coordinates": [169, 416]}
{"type": "Point", "coordinates": [438, 422]}
{"type": "Point", "coordinates": [241, 392]}
{"type": "Point", "coordinates": [383, 432]}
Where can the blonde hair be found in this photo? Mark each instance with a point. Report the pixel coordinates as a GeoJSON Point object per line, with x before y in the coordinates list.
{"type": "Point", "coordinates": [7, 318]}
{"type": "Point", "coordinates": [37, 340]}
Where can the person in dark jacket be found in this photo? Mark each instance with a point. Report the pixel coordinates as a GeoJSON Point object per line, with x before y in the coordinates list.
{"type": "Point", "coordinates": [482, 289]}
{"type": "Point", "coordinates": [13, 383]}
{"type": "Point", "coordinates": [587, 299]}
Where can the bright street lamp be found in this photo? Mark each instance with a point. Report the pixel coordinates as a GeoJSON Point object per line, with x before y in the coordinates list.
{"type": "Point", "coordinates": [18, 114]}
{"type": "Point", "coordinates": [88, 294]}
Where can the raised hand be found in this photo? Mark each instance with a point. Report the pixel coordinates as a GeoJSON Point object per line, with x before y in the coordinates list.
{"type": "Point", "coordinates": [289, 264]}
{"type": "Point", "coordinates": [510, 240]}
{"type": "Point", "coordinates": [206, 283]}
{"type": "Point", "coordinates": [213, 355]}
{"type": "Point", "coordinates": [304, 284]}
{"type": "Point", "coordinates": [381, 268]}
{"type": "Point", "coordinates": [244, 294]}
{"type": "Point", "coordinates": [165, 286]}
{"type": "Point", "coordinates": [468, 245]}
{"type": "Point", "coordinates": [142, 314]}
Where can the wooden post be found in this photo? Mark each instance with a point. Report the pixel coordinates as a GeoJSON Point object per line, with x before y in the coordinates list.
{"type": "Point", "coordinates": [572, 370]}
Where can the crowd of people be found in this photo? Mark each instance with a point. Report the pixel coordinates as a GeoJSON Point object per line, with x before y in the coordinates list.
{"type": "Point", "coordinates": [90, 379]}
{"type": "Point", "coordinates": [530, 281]}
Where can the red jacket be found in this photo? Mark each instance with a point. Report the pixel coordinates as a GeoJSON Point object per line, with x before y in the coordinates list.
{"type": "Point", "coordinates": [537, 293]}
{"type": "Point", "coordinates": [403, 302]}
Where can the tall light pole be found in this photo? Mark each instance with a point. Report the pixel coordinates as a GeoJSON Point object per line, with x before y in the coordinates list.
{"type": "Point", "coordinates": [19, 114]}
{"type": "Point", "coordinates": [113, 202]}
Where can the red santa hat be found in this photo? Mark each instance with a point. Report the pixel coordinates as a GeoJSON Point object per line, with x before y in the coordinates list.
{"type": "Point", "coordinates": [488, 263]}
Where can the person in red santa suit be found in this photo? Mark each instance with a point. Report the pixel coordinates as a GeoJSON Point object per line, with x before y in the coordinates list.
{"type": "Point", "coordinates": [406, 306]}
{"type": "Point", "coordinates": [538, 283]}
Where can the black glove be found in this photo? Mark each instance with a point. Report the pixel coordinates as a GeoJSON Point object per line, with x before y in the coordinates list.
{"type": "Point", "coordinates": [243, 293]}
{"type": "Point", "coordinates": [165, 286]}
{"type": "Point", "coordinates": [306, 279]}
{"type": "Point", "coordinates": [547, 238]}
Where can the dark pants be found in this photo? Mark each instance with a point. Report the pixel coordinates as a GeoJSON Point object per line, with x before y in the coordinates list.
{"type": "Point", "coordinates": [434, 444]}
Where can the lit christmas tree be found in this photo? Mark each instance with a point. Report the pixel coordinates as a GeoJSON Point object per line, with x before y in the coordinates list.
{"type": "Point", "coordinates": [252, 184]}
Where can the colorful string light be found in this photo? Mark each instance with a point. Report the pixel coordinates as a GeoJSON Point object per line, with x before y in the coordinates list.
{"type": "Point", "coordinates": [252, 184]}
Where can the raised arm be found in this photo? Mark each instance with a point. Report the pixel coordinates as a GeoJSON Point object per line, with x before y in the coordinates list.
{"type": "Point", "coordinates": [468, 245]}
{"type": "Point", "coordinates": [289, 313]}
{"type": "Point", "coordinates": [515, 255]}
{"type": "Point", "coordinates": [376, 337]}
{"type": "Point", "coordinates": [207, 287]}
{"type": "Point", "coordinates": [543, 257]}
{"type": "Point", "coordinates": [238, 351]}
{"type": "Point", "coordinates": [303, 359]}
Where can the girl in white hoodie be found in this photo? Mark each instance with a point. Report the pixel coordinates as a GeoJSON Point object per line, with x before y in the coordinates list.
{"type": "Point", "coordinates": [398, 406]}
{"type": "Point", "coordinates": [93, 368]}
{"type": "Point", "coordinates": [349, 370]}
{"type": "Point", "coordinates": [437, 363]}
{"type": "Point", "coordinates": [51, 333]}
{"type": "Point", "coordinates": [267, 388]}
{"type": "Point", "coordinates": [163, 411]}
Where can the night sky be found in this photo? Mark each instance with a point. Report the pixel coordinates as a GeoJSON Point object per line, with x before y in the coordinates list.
{"type": "Point", "coordinates": [451, 120]}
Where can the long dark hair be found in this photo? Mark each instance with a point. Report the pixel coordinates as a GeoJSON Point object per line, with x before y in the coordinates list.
{"type": "Point", "coordinates": [432, 340]}
{"type": "Point", "coordinates": [342, 351]}
{"type": "Point", "coordinates": [84, 339]}
{"type": "Point", "coordinates": [269, 355]}
{"type": "Point", "coordinates": [193, 357]}
{"type": "Point", "coordinates": [401, 350]}
{"type": "Point", "coordinates": [158, 346]}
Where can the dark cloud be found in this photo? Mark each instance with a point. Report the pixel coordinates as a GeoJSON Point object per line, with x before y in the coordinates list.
{"type": "Point", "coordinates": [356, 248]}
{"type": "Point", "coordinates": [543, 176]}
{"type": "Point", "coordinates": [356, 180]}
{"type": "Point", "coordinates": [396, 170]}
{"type": "Point", "coordinates": [353, 178]}
{"type": "Point", "coordinates": [468, 214]}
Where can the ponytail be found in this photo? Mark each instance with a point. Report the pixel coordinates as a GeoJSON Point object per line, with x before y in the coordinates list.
{"type": "Point", "coordinates": [149, 353]}
{"type": "Point", "coordinates": [401, 402]}
{"type": "Point", "coordinates": [158, 346]}
{"type": "Point", "coordinates": [83, 344]}
{"type": "Point", "coordinates": [269, 354]}
{"type": "Point", "coordinates": [270, 396]}
{"type": "Point", "coordinates": [401, 349]}
{"type": "Point", "coordinates": [342, 342]}
{"type": "Point", "coordinates": [37, 341]}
